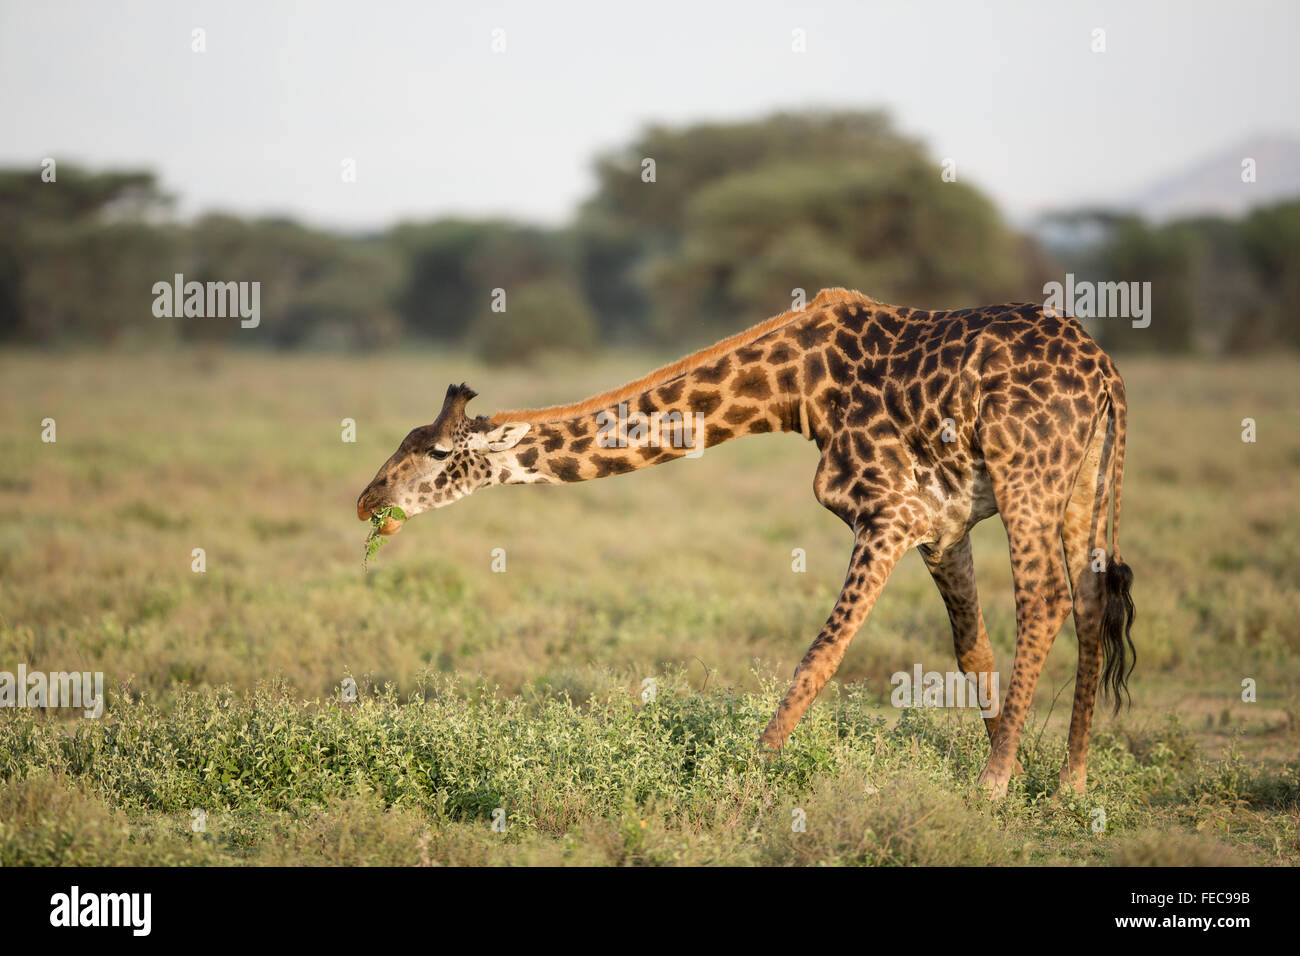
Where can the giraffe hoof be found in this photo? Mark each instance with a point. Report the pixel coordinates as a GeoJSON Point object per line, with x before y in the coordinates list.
{"type": "Point", "coordinates": [1071, 784]}
{"type": "Point", "coordinates": [994, 787]}
{"type": "Point", "coordinates": [772, 740]}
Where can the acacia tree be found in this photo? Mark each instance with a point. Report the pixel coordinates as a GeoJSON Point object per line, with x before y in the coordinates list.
{"type": "Point", "coordinates": [740, 214]}
{"type": "Point", "coordinates": [78, 254]}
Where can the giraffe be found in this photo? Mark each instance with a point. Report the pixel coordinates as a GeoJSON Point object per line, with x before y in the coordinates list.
{"type": "Point", "coordinates": [927, 423]}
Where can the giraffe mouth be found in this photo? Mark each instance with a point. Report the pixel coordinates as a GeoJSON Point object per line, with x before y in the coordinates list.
{"type": "Point", "coordinates": [390, 526]}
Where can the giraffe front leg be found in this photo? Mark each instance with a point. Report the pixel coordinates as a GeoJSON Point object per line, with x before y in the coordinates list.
{"type": "Point", "coordinates": [875, 552]}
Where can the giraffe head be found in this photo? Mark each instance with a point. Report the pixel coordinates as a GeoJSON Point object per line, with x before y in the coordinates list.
{"type": "Point", "coordinates": [440, 463]}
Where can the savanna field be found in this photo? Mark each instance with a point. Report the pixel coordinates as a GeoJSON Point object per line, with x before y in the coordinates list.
{"type": "Point", "coordinates": [522, 690]}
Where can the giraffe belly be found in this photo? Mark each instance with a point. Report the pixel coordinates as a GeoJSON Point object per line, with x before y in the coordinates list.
{"type": "Point", "coordinates": [952, 515]}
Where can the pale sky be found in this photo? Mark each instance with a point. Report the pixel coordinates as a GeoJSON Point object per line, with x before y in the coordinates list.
{"type": "Point", "coordinates": [440, 124]}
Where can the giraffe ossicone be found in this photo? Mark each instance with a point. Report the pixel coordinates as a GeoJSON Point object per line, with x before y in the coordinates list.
{"type": "Point", "coordinates": [927, 423]}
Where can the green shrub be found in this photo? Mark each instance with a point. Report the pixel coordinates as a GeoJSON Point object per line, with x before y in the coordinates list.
{"type": "Point", "coordinates": [678, 780]}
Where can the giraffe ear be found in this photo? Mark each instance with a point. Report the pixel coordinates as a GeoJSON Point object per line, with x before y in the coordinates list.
{"type": "Point", "coordinates": [500, 438]}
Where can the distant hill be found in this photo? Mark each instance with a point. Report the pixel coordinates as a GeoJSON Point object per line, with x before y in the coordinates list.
{"type": "Point", "coordinates": [1213, 186]}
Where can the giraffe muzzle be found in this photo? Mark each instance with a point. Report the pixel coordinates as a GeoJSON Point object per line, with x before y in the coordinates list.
{"type": "Point", "coordinates": [368, 504]}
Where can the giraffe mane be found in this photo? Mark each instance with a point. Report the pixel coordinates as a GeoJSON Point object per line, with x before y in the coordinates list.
{"type": "Point", "coordinates": [586, 406]}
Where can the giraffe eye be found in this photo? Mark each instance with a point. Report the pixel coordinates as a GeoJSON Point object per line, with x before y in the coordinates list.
{"type": "Point", "coordinates": [439, 454]}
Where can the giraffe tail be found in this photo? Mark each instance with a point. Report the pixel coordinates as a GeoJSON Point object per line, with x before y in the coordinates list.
{"type": "Point", "coordinates": [1117, 610]}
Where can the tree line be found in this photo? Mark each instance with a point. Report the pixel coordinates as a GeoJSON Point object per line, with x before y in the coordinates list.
{"type": "Point", "coordinates": [692, 232]}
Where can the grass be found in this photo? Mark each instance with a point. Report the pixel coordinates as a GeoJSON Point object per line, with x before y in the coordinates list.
{"type": "Point", "coordinates": [522, 690]}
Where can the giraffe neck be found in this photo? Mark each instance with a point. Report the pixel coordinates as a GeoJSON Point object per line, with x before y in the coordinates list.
{"type": "Point", "coordinates": [754, 389]}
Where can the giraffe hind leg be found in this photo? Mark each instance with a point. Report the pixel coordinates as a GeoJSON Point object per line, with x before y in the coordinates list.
{"type": "Point", "coordinates": [1033, 460]}
{"type": "Point", "coordinates": [1042, 602]}
{"type": "Point", "coordinates": [1084, 538]}
{"type": "Point", "coordinates": [953, 571]}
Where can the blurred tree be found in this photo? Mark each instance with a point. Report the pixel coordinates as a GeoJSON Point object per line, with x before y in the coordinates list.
{"type": "Point", "coordinates": [12, 291]}
{"type": "Point", "coordinates": [894, 231]}
{"type": "Point", "coordinates": [316, 288]}
{"type": "Point", "coordinates": [79, 253]}
{"type": "Point", "coordinates": [453, 265]}
{"type": "Point", "coordinates": [738, 215]}
{"type": "Point", "coordinates": [1226, 302]}
{"type": "Point", "coordinates": [77, 194]}
{"type": "Point", "coordinates": [612, 267]}
{"type": "Point", "coordinates": [1270, 240]}
{"type": "Point", "coordinates": [1165, 257]}
{"type": "Point", "coordinates": [690, 158]}
{"type": "Point", "coordinates": [717, 232]}
{"type": "Point", "coordinates": [89, 282]}
{"type": "Point", "coordinates": [548, 315]}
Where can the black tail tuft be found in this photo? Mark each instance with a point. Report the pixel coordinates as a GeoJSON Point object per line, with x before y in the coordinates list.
{"type": "Point", "coordinates": [1117, 632]}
